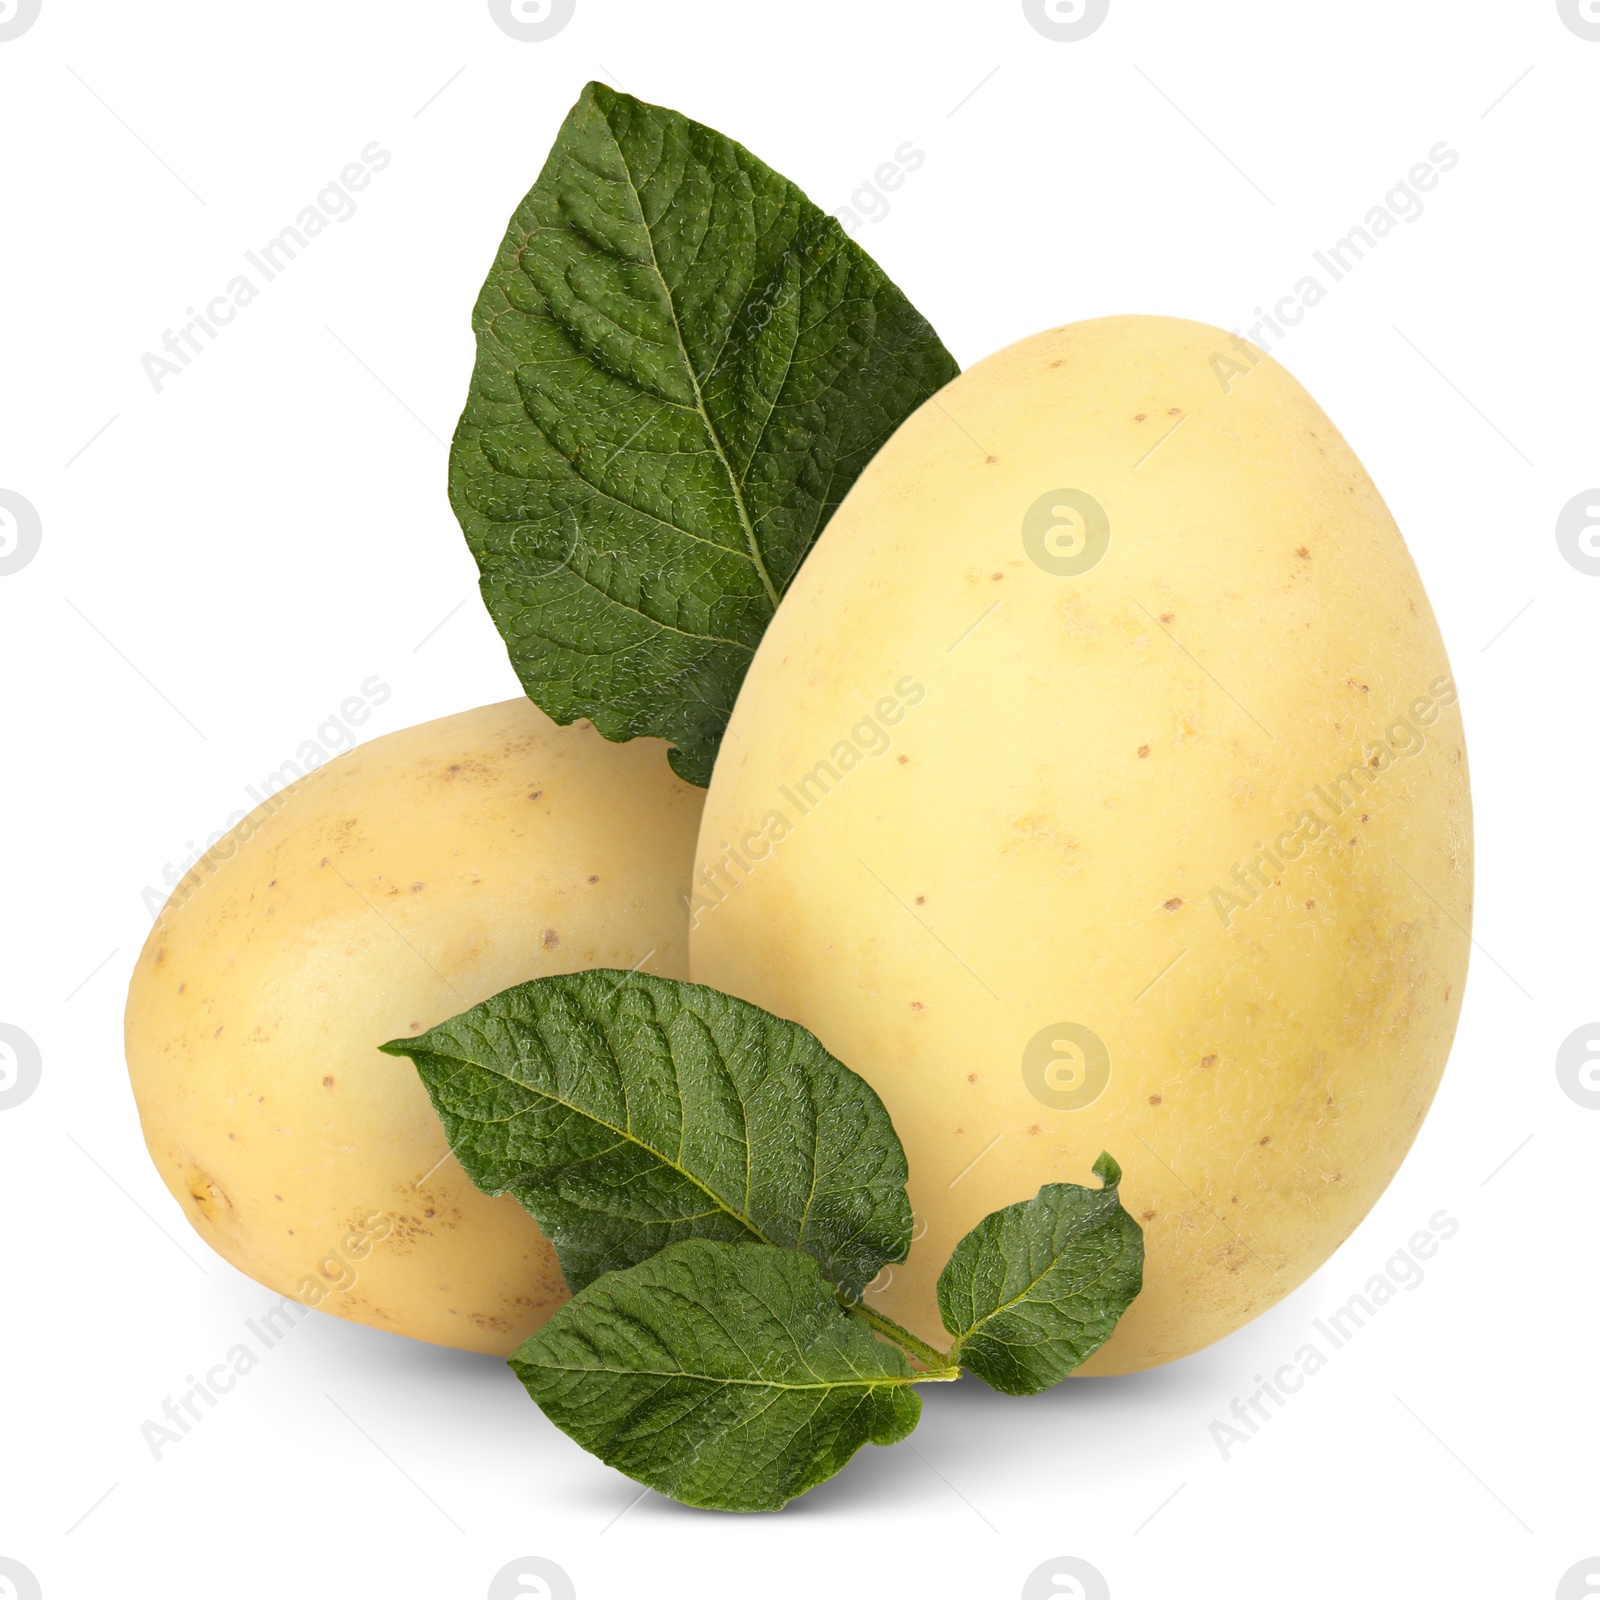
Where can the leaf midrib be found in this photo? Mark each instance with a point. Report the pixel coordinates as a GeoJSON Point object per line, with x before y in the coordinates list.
{"type": "Point", "coordinates": [888, 1382]}
{"type": "Point", "coordinates": [625, 1135]}
{"type": "Point", "coordinates": [1033, 1283]}
{"type": "Point", "coordinates": [734, 487]}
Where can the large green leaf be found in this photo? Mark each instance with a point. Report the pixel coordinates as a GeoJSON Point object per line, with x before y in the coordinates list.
{"type": "Point", "coordinates": [683, 364]}
{"type": "Point", "coordinates": [724, 1375]}
{"type": "Point", "coordinates": [1036, 1288]}
{"type": "Point", "coordinates": [627, 1111]}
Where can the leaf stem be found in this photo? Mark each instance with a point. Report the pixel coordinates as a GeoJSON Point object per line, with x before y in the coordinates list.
{"type": "Point", "coordinates": [939, 1368]}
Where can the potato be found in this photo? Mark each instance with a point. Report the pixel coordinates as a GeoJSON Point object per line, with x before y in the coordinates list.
{"type": "Point", "coordinates": [1100, 785]}
{"type": "Point", "coordinates": [400, 884]}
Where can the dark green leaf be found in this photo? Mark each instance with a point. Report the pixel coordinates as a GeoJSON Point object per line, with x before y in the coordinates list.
{"type": "Point", "coordinates": [627, 1111]}
{"type": "Point", "coordinates": [1036, 1288]}
{"type": "Point", "coordinates": [683, 364]}
{"type": "Point", "coordinates": [723, 1375]}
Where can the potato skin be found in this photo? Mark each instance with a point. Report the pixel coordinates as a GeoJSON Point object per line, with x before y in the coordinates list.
{"type": "Point", "coordinates": [1067, 770]}
{"type": "Point", "coordinates": [401, 883]}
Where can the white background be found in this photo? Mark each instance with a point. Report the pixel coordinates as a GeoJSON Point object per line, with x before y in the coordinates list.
{"type": "Point", "coordinates": [224, 562]}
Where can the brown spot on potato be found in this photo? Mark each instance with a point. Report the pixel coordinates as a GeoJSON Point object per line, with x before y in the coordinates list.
{"type": "Point", "coordinates": [327, 1083]}
{"type": "Point", "coordinates": [1265, 1138]}
{"type": "Point", "coordinates": [1311, 905]}
{"type": "Point", "coordinates": [182, 987]}
{"type": "Point", "coordinates": [210, 1199]}
{"type": "Point", "coordinates": [1167, 616]}
{"type": "Point", "coordinates": [216, 1033]}
{"type": "Point", "coordinates": [916, 1005]}
{"type": "Point", "coordinates": [995, 577]}
{"type": "Point", "coordinates": [1035, 1128]}
{"type": "Point", "coordinates": [922, 899]}
{"type": "Point", "coordinates": [1144, 752]}
{"type": "Point", "coordinates": [1208, 1061]}
{"type": "Point", "coordinates": [902, 759]}
{"type": "Point", "coordinates": [972, 1077]}
{"type": "Point", "coordinates": [594, 877]}
{"type": "Point", "coordinates": [1147, 1216]}
{"type": "Point", "coordinates": [537, 794]}
{"type": "Point", "coordinates": [1155, 1099]}
{"type": "Point", "coordinates": [1171, 905]}
{"type": "Point", "coordinates": [1174, 411]}
{"type": "Point", "coordinates": [416, 888]}
{"type": "Point", "coordinates": [549, 938]}
{"type": "Point", "coordinates": [1303, 553]}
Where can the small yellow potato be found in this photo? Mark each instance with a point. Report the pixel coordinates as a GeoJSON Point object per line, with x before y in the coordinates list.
{"type": "Point", "coordinates": [1100, 785]}
{"type": "Point", "coordinates": [398, 885]}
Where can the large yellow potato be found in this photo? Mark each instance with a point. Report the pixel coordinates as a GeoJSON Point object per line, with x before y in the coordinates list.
{"type": "Point", "coordinates": [400, 884]}
{"type": "Point", "coordinates": [1100, 785]}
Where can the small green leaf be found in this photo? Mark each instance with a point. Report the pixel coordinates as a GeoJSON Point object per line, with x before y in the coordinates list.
{"type": "Point", "coordinates": [1036, 1288]}
{"type": "Point", "coordinates": [627, 1111]}
{"type": "Point", "coordinates": [723, 1375]}
{"type": "Point", "coordinates": [683, 364]}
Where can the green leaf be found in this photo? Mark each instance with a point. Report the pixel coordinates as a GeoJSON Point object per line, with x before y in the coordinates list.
{"type": "Point", "coordinates": [1036, 1288]}
{"type": "Point", "coordinates": [627, 1111]}
{"type": "Point", "coordinates": [723, 1375]}
{"type": "Point", "coordinates": [683, 364]}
